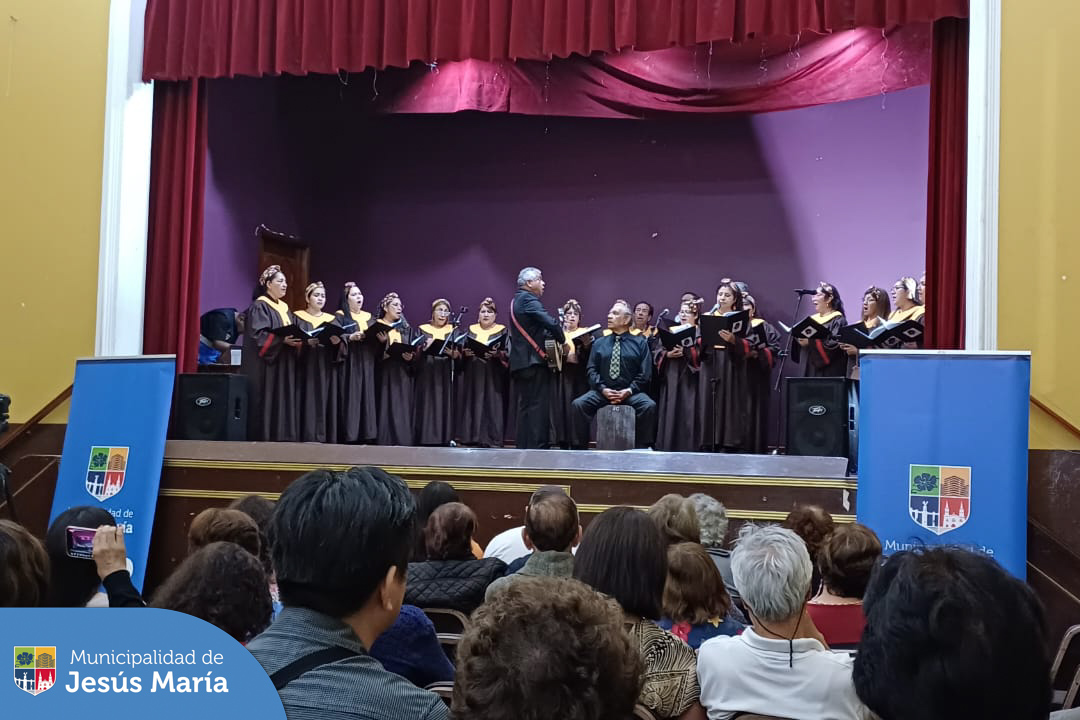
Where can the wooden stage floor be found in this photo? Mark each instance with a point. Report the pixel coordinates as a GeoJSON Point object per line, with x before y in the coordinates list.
{"type": "Point", "coordinates": [496, 483]}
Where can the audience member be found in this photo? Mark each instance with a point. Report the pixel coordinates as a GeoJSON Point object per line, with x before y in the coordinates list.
{"type": "Point", "coordinates": [696, 606]}
{"type": "Point", "coordinates": [552, 530]}
{"type": "Point", "coordinates": [433, 496]}
{"type": "Point", "coordinates": [24, 567]}
{"type": "Point", "coordinates": [505, 547]}
{"type": "Point", "coordinates": [74, 581]}
{"type": "Point", "coordinates": [451, 577]}
{"type": "Point", "coordinates": [224, 525]}
{"type": "Point", "coordinates": [624, 555]}
{"type": "Point", "coordinates": [713, 522]}
{"type": "Point", "coordinates": [223, 584]}
{"type": "Point", "coordinates": [677, 519]}
{"type": "Point", "coordinates": [259, 509]}
{"type": "Point", "coordinates": [780, 666]}
{"type": "Point", "coordinates": [411, 649]}
{"type": "Point", "coordinates": [949, 634]}
{"type": "Point", "coordinates": [547, 648]}
{"type": "Point", "coordinates": [845, 561]}
{"type": "Point", "coordinates": [340, 543]}
{"type": "Point", "coordinates": [813, 525]}
{"type": "Point", "coordinates": [508, 546]}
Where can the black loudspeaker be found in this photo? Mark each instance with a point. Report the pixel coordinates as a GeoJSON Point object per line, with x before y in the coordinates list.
{"type": "Point", "coordinates": [817, 416]}
{"type": "Point", "coordinates": [211, 406]}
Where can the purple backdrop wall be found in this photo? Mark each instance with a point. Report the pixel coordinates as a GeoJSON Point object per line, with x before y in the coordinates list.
{"type": "Point", "coordinates": [455, 205]}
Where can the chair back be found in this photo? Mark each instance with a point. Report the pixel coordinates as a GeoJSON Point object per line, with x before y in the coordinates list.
{"type": "Point", "coordinates": [443, 689]}
{"type": "Point", "coordinates": [447, 621]}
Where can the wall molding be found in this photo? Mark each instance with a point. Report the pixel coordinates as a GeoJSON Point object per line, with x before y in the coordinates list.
{"type": "Point", "coordinates": [983, 138]}
{"type": "Point", "coordinates": [125, 186]}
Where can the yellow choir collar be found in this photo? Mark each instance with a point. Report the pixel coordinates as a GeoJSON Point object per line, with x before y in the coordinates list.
{"type": "Point", "coordinates": [439, 333]}
{"type": "Point", "coordinates": [279, 307]}
{"type": "Point", "coordinates": [315, 321]}
{"type": "Point", "coordinates": [483, 335]}
{"type": "Point", "coordinates": [912, 313]}
{"type": "Point", "coordinates": [755, 322]}
{"type": "Point", "coordinates": [822, 319]}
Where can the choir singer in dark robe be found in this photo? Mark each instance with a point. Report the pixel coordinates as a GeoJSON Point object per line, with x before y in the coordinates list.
{"type": "Point", "coordinates": [824, 358]}
{"type": "Point", "coordinates": [269, 362]}
{"type": "Point", "coordinates": [357, 373]}
{"type": "Point", "coordinates": [568, 430]}
{"type": "Point", "coordinates": [395, 376]}
{"type": "Point", "coordinates": [620, 368]}
{"type": "Point", "coordinates": [761, 348]}
{"type": "Point", "coordinates": [530, 326]}
{"type": "Point", "coordinates": [483, 388]}
{"type": "Point", "coordinates": [317, 372]}
{"type": "Point", "coordinates": [724, 397]}
{"type": "Point", "coordinates": [433, 380]}
{"type": "Point", "coordinates": [680, 427]}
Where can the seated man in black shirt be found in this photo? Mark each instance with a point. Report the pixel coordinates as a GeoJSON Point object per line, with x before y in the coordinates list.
{"type": "Point", "coordinates": [219, 330]}
{"type": "Point", "coordinates": [620, 367]}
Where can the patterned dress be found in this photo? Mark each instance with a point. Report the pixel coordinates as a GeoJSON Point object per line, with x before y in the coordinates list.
{"type": "Point", "coordinates": [671, 683]}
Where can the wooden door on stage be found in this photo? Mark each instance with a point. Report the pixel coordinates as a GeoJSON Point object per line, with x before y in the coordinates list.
{"type": "Point", "coordinates": [292, 254]}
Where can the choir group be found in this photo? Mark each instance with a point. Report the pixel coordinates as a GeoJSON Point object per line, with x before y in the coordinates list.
{"type": "Point", "coordinates": [351, 376]}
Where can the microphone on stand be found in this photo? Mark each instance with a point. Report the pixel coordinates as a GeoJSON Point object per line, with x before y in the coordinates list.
{"type": "Point", "coordinates": [805, 291]}
{"type": "Point", "coordinates": [713, 309]}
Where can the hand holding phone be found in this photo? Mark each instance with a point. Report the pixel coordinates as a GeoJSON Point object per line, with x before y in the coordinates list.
{"type": "Point", "coordinates": [109, 551]}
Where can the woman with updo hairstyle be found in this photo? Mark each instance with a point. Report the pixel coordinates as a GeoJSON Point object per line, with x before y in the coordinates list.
{"type": "Point", "coordinates": [824, 358]}
{"type": "Point", "coordinates": [434, 426]}
{"type": "Point", "coordinates": [485, 379]}
{"type": "Point", "coordinates": [317, 369]}
{"type": "Point", "coordinates": [356, 381]}
{"type": "Point", "coordinates": [451, 577]}
{"type": "Point", "coordinates": [568, 431]}
{"type": "Point", "coordinates": [679, 423]}
{"type": "Point", "coordinates": [723, 395]}
{"type": "Point", "coordinates": [269, 362]}
{"type": "Point", "coordinates": [845, 560]}
{"type": "Point", "coordinates": [904, 293]}
{"type": "Point", "coordinates": [396, 375]}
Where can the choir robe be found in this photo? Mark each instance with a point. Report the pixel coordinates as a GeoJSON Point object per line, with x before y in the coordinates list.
{"type": "Point", "coordinates": [916, 313]}
{"type": "Point", "coordinates": [680, 427]}
{"type": "Point", "coordinates": [824, 358]}
{"type": "Point", "coordinates": [567, 431]}
{"type": "Point", "coordinates": [482, 394]}
{"type": "Point", "coordinates": [356, 384]}
{"type": "Point", "coordinates": [317, 377]}
{"type": "Point", "coordinates": [433, 391]}
{"type": "Point", "coordinates": [395, 379]}
{"type": "Point", "coordinates": [270, 367]}
{"type": "Point", "coordinates": [724, 398]}
{"type": "Point", "coordinates": [759, 385]}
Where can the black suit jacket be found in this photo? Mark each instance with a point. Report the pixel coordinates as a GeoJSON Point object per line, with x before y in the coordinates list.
{"type": "Point", "coordinates": [532, 316]}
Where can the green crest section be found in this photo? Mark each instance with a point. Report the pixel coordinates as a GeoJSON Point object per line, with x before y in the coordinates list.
{"type": "Point", "coordinates": [925, 480]}
{"type": "Point", "coordinates": [24, 657]}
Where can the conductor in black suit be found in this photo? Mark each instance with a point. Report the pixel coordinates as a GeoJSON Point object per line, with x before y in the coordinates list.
{"type": "Point", "coordinates": [530, 325]}
{"type": "Point", "coordinates": [620, 368]}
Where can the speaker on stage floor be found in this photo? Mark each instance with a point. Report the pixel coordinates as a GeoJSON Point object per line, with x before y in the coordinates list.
{"type": "Point", "coordinates": [817, 416]}
{"type": "Point", "coordinates": [211, 406]}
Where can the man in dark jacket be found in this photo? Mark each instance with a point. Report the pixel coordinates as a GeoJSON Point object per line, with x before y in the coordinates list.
{"type": "Point", "coordinates": [528, 366]}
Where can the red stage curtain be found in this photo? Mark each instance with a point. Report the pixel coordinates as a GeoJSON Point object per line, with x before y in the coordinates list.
{"type": "Point", "coordinates": [175, 231]}
{"type": "Point", "coordinates": [188, 39]}
{"type": "Point", "coordinates": [946, 204]}
{"type": "Point", "coordinates": [778, 74]}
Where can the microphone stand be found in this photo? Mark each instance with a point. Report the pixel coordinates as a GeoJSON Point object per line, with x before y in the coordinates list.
{"type": "Point", "coordinates": [456, 323]}
{"type": "Point", "coordinates": [779, 386]}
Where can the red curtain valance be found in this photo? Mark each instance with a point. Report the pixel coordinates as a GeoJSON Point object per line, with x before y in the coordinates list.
{"type": "Point", "coordinates": [188, 39]}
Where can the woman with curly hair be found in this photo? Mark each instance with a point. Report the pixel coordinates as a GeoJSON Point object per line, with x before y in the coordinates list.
{"type": "Point", "coordinates": [813, 524]}
{"type": "Point", "coordinates": [223, 584]}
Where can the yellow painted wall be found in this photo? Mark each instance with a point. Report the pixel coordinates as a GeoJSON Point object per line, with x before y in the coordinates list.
{"type": "Point", "coordinates": [1039, 217]}
{"type": "Point", "coordinates": [52, 106]}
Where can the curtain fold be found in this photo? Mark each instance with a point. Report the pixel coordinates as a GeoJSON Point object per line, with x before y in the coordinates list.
{"type": "Point", "coordinates": [175, 229]}
{"type": "Point", "coordinates": [946, 203]}
{"type": "Point", "coordinates": [188, 39]}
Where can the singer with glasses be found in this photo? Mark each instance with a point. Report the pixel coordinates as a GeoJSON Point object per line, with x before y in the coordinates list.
{"type": "Point", "coordinates": [679, 427]}
{"type": "Point", "coordinates": [482, 392]}
{"type": "Point", "coordinates": [434, 384]}
{"type": "Point", "coordinates": [824, 358]}
{"type": "Point", "coordinates": [396, 375]}
{"type": "Point", "coordinates": [619, 371]}
{"type": "Point", "coordinates": [903, 295]}
{"type": "Point", "coordinates": [356, 383]}
{"type": "Point", "coordinates": [723, 395]}
{"type": "Point", "coordinates": [568, 430]}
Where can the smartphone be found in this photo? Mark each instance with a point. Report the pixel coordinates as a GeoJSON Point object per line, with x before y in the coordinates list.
{"type": "Point", "coordinates": [80, 542]}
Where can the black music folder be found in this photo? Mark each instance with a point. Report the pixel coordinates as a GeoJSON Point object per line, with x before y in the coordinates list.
{"type": "Point", "coordinates": [737, 323]}
{"type": "Point", "coordinates": [677, 335]}
{"type": "Point", "coordinates": [397, 349]}
{"type": "Point", "coordinates": [493, 344]}
{"type": "Point", "coordinates": [807, 329]}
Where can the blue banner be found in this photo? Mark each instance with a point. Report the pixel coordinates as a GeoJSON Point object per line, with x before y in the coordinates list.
{"type": "Point", "coordinates": [943, 450]}
{"type": "Point", "coordinates": [115, 444]}
{"type": "Point", "coordinates": [129, 663]}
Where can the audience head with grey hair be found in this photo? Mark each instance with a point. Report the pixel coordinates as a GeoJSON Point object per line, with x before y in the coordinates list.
{"type": "Point", "coordinates": [780, 666]}
{"type": "Point", "coordinates": [713, 522]}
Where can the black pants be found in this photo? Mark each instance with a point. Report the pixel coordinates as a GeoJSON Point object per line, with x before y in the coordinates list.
{"type": "Point", "coordinates": [644, 406]}
{"type": "Point", "coordinates": [533, 422]}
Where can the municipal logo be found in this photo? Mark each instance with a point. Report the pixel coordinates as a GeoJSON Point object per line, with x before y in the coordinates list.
{"type": "Point", "coordinates": [35, 668]}
{"type": "Point", "coordinates": [939, 497]}
{"type": "Point", "coordinates": [105, 475]}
